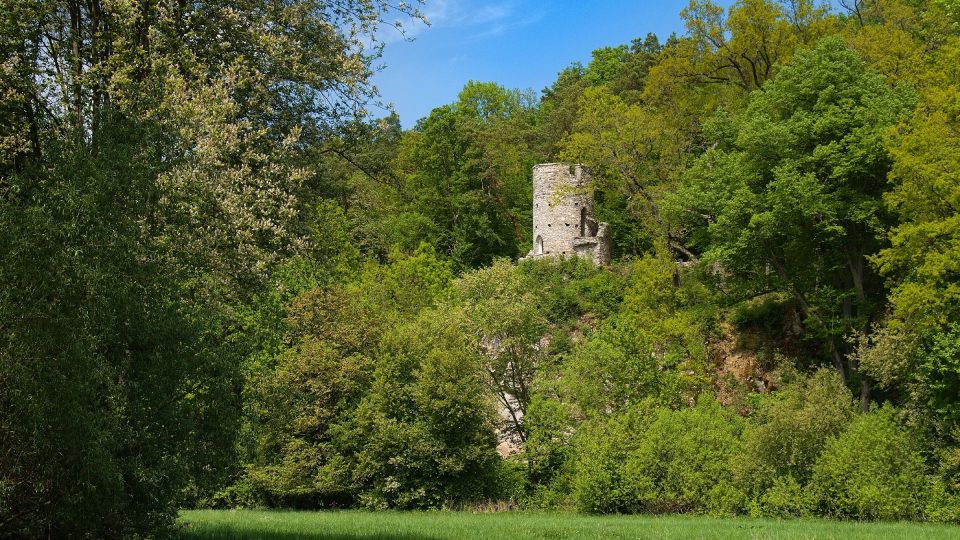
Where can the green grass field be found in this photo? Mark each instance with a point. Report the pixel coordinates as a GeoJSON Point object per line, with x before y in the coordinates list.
{"type": "Point", "coordinates": [357, 525]}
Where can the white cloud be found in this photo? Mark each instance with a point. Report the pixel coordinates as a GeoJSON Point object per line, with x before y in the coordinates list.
{"type": "Point", "coordinates": [505, 26]}
{"type": "Point", "coordinates": [479, 19]}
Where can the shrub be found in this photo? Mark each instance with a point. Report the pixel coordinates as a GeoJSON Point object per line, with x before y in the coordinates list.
{"type": "Point", "coordinates": [548, 446]}
{"type": "Point", "coordinates": [297, 408]}
{"type": "Point", "coordinates": [872, 470]}
{"type": "Point", "coordinates": [424, 434]}
{"type": "Point", "coordinates": [602, 447]}
{"type": "Point", "coordinates": [786, 497]}
{"type": "Point", "coordinates": [939, 375]}
{"type": "Point", "coordinates": [659, 460]}
{"type": "Point", "coordinates": [682, 463]}
{"type": "Point", "coordinates": [785, 436]}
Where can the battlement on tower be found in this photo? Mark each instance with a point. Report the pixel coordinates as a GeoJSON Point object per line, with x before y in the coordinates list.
{"type": "Point", "coordinates": [563, 222]}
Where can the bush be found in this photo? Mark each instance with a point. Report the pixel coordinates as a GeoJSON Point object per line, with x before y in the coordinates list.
{"type": "Point", "coordinates": [297, 408]}
{"type": "Point", "coordinates": [786, 497]}
{"type": "Point", "coordinates": [423, 436]}
{"type": "Point", "coordinates": [682, 463]}
{"type": "Point", "coordinates": [939, 375]}
{"type": "Point", "coordinates": [784, 438]}
{"type": "Point", "coordinates": [659, 460]}
{"type": "Point", "coordinates": [655, 346]}
{"type": "Point", "coordinates": [873, 470]}
{"type": "Point", "coordinates": [602, 447]}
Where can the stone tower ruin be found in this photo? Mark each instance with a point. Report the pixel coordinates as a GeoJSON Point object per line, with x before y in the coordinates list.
{"type": "Point", "coordinates": [563, 223]}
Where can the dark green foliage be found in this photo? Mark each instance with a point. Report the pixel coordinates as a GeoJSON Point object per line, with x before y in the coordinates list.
{"type": "Point", "coordinates": [113, 392]}
{"type": "Point", "coordinates": [938, 373]}
{"type": "Point", "coordinates": [297, 408]}
{"type": "Point", "coordinates": [465, 176]}
{"type": "Point", "coordinates": [425, 431]}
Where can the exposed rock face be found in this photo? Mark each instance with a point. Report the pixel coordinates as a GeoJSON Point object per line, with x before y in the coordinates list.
{"type": "Point", "coordinates": [563, 223]}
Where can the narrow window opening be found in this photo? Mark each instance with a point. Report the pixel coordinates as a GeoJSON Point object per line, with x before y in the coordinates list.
{"type": "Point", "coordinates": [539, 246]}
{"type": "Point", "coordinates": [583, 221]}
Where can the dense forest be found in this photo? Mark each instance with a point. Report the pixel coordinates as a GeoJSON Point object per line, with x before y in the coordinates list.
{"type": "Point", "coordinates": [225, 283]}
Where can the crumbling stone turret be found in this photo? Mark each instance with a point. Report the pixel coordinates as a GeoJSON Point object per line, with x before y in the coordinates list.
{"type": "Point", "coordinates": [563, 222]}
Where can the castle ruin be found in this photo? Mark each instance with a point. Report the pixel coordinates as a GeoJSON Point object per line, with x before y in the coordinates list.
{"type": "Point", "coordinates": [563, 222]}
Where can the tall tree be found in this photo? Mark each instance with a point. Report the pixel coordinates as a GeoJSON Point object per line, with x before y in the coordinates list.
{"type": "Point", "coordinates": [790, 198]}
{"type": "Point", "coordinates": [151, 175]}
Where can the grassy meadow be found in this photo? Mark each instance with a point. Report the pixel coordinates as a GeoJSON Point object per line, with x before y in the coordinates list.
{"type": "Point", "coordinates": [359, 525]}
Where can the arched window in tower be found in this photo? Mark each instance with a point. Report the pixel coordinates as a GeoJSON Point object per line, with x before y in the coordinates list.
{"type": "Point", "coordinates": [583, 221]}
{"type": "Point", "coordinates": [539, 246]}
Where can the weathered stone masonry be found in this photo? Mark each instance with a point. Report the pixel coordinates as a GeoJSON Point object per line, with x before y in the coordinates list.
{"type": "Point", "coordinates": [563, 222]}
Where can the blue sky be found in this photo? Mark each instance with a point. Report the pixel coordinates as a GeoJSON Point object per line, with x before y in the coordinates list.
{"type": "Point", "coordinates": [517, 43]}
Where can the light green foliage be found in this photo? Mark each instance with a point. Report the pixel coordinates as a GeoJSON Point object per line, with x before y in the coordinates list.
{"type": "Point", "coordinates": [601, 451]}
{"type": "Point", "coordinates": [524, 319]}
{"type": "Point", "coordinates": [606, 64]}
{"type": "Point", "coordinates": [784, 437]}
{"type": "Point", "coordinates": [745, 46]}
{"type": "Point", "coordinates": [549, 450]}
{"type": "Point", "coordinates": [567, 289]}
{"type": "Point", "coordinates": [785, 498]}
{"type": "Point", "coordinates": [503, 312]}
{"type": "Point", "coordinates": [655, 346]}
{"type": "Point", "coordinates": [682, 461]}
{"type": "Point", "coordinates": [633, 152]}
{"type": "Point", "coordinates": [921, 260]}
{"type": "Point", "coordinates": [912, 350]}
{"type": "Point", "coordinates": [873, 470]}
{"type": "Point", "coordinates": [408, 284]}
{"type": "Point", "coordinates": [659, 460]}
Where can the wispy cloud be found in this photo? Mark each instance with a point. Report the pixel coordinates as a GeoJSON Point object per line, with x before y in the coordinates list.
{"type": "Point", "coordinates": [491, 13]}
{"type": "Point", "coordinates": [481, 18]}
{"type": "Point", "coordinates": [503, 27]}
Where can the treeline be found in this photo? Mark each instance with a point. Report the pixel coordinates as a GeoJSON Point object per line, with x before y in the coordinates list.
{"type": "Point", "coordinates": [223, 284]}
{"type": "Point", "coordinates": [610, 394]}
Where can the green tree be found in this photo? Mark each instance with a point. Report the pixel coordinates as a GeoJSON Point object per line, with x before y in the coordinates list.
{"type": "Point", "coordinates": [504, 314]}
{"type": "Point", "coordinates": [424, 435]}
{"type": "Point", "coordinates": [152, 179]}
{"type": "Point", "coordinates": [790, 197]}
{"type": "Point", "coordinates": [466, 169]}
{"type": "Point", "coordinates": [921, 259]}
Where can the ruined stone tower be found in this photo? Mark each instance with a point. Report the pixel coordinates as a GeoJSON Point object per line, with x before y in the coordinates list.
{"type": "Point", "coordinates": [563, 222]}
